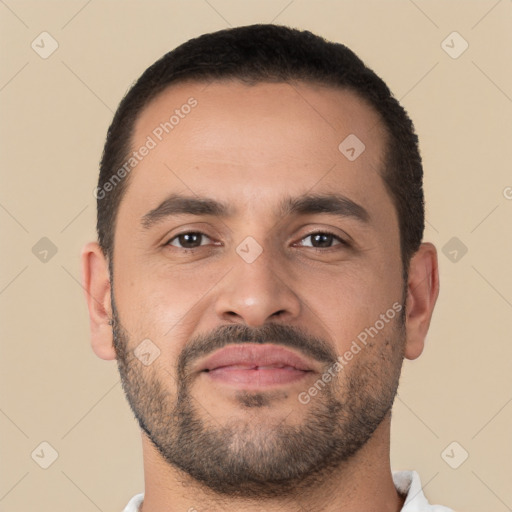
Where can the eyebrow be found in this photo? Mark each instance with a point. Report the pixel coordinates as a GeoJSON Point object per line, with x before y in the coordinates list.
{"type": "Point", "coordinates": [334, 204]}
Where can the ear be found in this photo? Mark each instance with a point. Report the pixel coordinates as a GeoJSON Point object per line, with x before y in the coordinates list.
{"type": "Point", "coordinates": [422, 292]}
{"type": "Point", "coordinates": [96, 283]}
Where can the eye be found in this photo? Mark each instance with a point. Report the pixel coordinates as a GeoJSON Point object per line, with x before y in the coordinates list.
{"type": "Point", "coordinates": [323, 240]}
{"type": "Point", "coordinates": [188, 240]}
{"type": "Point", "coordinates": [195, 239]}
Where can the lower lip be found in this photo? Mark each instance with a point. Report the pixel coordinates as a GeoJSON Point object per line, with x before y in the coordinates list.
{"type": "Point", "coordinates": [256, 377]}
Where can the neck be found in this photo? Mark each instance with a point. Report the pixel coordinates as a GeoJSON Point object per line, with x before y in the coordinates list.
{"type": "Point", "coordinates": [362, 483]}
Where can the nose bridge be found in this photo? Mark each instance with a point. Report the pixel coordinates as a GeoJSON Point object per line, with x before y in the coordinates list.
{"type": "Point", "coordinates": [257, 288]}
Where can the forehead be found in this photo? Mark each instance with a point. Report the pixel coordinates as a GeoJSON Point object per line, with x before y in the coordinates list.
{"type": "Point", "coordinates": [247, 142]}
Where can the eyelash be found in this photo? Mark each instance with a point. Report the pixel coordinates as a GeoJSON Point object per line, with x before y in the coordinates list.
{"type": "Point", "coordinates": [328, 233]}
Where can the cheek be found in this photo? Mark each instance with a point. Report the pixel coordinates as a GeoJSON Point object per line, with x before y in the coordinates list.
{"type": "Point", "coordinates": [351, 302]}
{"type": "Point", "coordinates": [162, 304]}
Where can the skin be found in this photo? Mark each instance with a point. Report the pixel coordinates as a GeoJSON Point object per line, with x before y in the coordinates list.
{"type": "Point", "coordinates": [250, 146]}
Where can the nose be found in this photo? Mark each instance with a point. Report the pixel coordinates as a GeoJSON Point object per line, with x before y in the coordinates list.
{"type": "Point", "coordinates": [257, 292]}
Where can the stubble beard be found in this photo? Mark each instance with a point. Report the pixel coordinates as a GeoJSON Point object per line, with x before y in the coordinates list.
{"type": "Point", "coordinates": [251, 456]}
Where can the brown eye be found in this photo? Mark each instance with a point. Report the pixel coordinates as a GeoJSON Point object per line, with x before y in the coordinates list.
{"type": "Point", "coordinates": [189, 240]}
{"type": "Point", "coordinates": [323, 240]}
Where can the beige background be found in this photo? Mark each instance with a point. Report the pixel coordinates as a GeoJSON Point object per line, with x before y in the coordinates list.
{"type": "Point", "coordinates": [54, 117]}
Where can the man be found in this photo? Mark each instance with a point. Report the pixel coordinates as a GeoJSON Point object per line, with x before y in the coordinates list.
{"type": "Point", "coordinates": [260, 274]}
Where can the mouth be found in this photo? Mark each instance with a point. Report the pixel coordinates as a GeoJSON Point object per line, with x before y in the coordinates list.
{"type": "Point", "coordinates": [255, 365]}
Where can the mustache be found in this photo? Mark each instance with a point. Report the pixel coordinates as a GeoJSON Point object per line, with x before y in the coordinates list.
{"type": "Point", "coordinates": [288, 336]}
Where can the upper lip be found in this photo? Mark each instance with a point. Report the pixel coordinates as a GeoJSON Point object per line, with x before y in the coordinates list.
{"type": "Point", "coordinates": [254, 355]}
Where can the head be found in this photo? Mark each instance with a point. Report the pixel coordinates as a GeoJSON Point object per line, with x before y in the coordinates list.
{"type": "Point", "coordinates": [278, 200]}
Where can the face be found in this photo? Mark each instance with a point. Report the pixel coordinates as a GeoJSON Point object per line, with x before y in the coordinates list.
{"type": "Point", "coordinates": [263, 266]}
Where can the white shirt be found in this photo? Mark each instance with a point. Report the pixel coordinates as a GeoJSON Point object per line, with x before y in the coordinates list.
{"type": "Point", "coordinates": [405, 482]}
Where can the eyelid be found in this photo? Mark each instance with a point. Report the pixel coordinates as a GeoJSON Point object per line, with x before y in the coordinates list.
{"type": "Point", "coordinates": [342, 241]}
{"type": "Point", "coordinates": [189, 232]}
{"type": "Point", "coordinates": [204, 228]}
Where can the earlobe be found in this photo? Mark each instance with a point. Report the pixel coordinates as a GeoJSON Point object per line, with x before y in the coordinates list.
{"type": "Point", "coordinates": [422, 293]}
{"type": "Point", "coordinates": [96, 284]}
